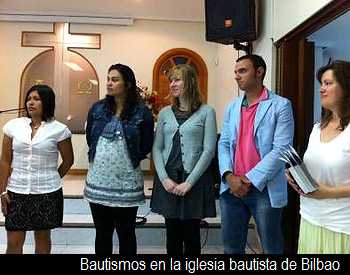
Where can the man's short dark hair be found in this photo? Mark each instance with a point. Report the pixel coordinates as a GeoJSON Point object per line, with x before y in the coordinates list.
{"type": "Point", "coordinates": [257, 61]}
{"type": "Point", "coordinates": [47, 97]}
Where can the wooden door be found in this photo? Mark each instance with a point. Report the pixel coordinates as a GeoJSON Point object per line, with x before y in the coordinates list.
{"type": "Point", "coordinates": [296, 76]}
{"type": "Point", "coordinates": [175, 57]}
{"type": "Point", "coordinates": [296, 82]}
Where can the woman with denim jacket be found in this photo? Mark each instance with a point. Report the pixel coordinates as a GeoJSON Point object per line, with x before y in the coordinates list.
{"type": "Point", "coordinates": [184, 146]}
{"type": "Point", "coordinates": [119, 134]}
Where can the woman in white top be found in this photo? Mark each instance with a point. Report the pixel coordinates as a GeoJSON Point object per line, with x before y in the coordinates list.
{"type": "Point", "coordinates": [30, 179]}
{"type": "Point", "coordinates": [325, 213]}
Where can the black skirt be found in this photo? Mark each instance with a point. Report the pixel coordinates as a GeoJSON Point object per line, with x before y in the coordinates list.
{"type": "Point", "coordinates": [198, 203]}
{"type": "Point", "coordinates": [34, 211]}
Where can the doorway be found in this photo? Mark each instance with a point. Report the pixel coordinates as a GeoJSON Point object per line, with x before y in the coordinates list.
{"type": "Point", "coordinates": [295, 77]}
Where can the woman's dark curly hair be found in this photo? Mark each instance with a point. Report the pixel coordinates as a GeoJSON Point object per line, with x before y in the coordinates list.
{"type": "Point", "coordinates": [132, 94]}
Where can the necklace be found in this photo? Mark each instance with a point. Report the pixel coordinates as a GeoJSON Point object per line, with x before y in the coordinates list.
{"type": "Point", "coordinates": [36, 127]}
{"type": "Point", "coordinates": [182, 109]}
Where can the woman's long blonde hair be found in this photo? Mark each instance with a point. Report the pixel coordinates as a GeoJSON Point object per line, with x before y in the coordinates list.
{"type": "Point", "coordinates": [192, 93]}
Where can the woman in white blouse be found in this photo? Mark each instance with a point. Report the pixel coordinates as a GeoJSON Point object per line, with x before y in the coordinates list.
{"type": "Point", "coordinates": [325, 213]}
{"type": "Point", "coordinates": [30, 179]}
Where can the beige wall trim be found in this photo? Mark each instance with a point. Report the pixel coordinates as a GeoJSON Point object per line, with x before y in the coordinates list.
{"type": "Point", "coordinates": [77, 172]}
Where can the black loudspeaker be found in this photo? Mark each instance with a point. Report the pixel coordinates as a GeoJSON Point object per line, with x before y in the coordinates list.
{"type": "Point", "coordinates": [229, 21]}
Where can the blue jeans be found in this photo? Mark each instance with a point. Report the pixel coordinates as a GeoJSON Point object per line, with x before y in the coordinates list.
{"type": "Point", "coordinates": [235, 216]}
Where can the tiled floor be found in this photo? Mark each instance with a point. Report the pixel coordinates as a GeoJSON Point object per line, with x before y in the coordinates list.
{"type": "Point", "coordinates": [86, 249]}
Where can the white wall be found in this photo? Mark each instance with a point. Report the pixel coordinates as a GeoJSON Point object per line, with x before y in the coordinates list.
{"type": "Point", "coordinates": [288, 14]}
{"type": "Point", "coordinates": [276, 19]}
{"type": "Point", "coordinates": [138, 45]}
{"type": "Point", "coordinates": [226, 86]}
{"type": "Point", "coordinates": [264, 44]}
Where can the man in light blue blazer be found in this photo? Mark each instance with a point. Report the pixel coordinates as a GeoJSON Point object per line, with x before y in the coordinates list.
{"type": "Point", "coordinates": [256, 127]}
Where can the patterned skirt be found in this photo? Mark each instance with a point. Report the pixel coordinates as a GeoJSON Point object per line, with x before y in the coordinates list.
{"type": "Point", "coordinates": [34, 211]}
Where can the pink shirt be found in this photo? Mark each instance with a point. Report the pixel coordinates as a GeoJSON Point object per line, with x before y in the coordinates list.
{"type": "Point", "coordinates": [246, 154]}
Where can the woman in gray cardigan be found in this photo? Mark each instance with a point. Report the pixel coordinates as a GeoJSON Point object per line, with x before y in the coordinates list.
{"type": "Point", "coordinates": [183, 149]}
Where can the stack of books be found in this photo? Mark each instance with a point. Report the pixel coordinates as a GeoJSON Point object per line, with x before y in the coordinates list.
{"type": "Point", "coordinates": [298, 170]}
